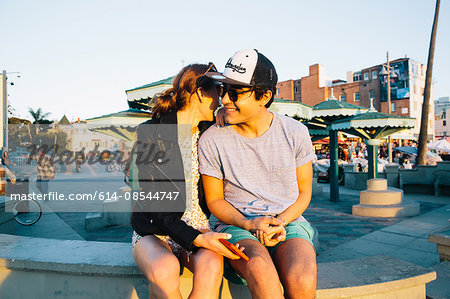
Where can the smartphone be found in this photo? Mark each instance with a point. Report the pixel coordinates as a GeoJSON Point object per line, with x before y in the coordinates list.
{"type": "Point", "coordinates": [234, 249]}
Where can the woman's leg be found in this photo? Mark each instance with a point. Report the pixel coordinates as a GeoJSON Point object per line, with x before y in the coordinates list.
{"type": "Point", "coordinates": [207, 267]}
{"type": "Point", "coordinates": [159, 265]}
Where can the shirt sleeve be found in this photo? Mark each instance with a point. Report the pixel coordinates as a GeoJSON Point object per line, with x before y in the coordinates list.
{"type": "Point", "coordinates": [304, 151]}
{"type": "Point", "coordinates": [208, 157]}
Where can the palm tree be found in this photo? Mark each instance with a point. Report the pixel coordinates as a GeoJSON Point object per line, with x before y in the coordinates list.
{"type": "Point", "coordinates": [422, 147]}
{"type": "Point", "coordinates": [39, 116]}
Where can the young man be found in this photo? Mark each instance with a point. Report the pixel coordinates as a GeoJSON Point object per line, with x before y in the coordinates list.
{"type": "Point", "coordinates": [257, 176]}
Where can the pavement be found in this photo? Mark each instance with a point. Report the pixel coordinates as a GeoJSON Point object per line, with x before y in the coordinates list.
{"type": "Point", "coordinates": [342, 236]}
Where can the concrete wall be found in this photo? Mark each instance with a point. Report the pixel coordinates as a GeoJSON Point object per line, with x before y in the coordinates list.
{"type": "Point", "coordinates": [46, 268]}
{"type": "Point", "coordinates": [422, 179]}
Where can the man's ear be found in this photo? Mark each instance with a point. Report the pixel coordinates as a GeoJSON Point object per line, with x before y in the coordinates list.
{"type": "Point", "coordinates": [266, 97]}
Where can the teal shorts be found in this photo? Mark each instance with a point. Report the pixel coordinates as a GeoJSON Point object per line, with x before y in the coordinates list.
{"type": "Point", "coordinates": [296, 229]}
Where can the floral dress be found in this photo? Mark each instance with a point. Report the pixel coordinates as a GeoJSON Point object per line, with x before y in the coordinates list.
{"type": "Point", "coordinates": [193, 216]}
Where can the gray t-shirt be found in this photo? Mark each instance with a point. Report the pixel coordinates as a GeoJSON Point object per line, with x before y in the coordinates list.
{"type": "Point", "coordinates": [259, 174]}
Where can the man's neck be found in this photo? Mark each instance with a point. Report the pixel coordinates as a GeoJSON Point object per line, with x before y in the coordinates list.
{"type": "Point", "coordinates": [257, 126]}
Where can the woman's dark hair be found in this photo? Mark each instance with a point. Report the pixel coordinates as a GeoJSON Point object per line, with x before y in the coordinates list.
{"type": "Point", "coordinates": [184, 85]}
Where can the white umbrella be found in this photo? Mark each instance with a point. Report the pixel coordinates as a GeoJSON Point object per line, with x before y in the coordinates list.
{"type": "Point", "coordinates": [441, 145]}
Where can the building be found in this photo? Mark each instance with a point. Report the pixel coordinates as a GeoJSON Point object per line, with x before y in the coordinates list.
{"type": "Point", "coordinates": [289, 90]}
{"type": "Point", "coordinates": [441, 107]}
{"type": "Point", "coordinates": [80, 135]}
{"type": "Point", "coordinates": [407, 88]}
{"type": "Point", "coordinates": [314, 87]}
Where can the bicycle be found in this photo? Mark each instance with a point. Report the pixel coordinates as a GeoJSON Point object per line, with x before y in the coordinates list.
{"type": "Point", "coordinates": [27, 212]}
{"type": "Point", "coordinates": [113, 166]}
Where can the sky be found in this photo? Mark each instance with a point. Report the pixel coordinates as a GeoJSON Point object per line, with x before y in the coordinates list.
{"type": "Point", "coordinates": [77, 58]}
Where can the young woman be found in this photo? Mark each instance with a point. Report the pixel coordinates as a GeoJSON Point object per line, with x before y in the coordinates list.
{"type": "Point", "coordinates": [166, 239]}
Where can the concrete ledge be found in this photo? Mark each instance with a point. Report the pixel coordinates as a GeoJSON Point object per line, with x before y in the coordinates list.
{"type": "Point", "coordinates": [372, 277]}
{"type": "Point", "coordinates": [406, 208]}
{"type": "Point", "coordinates": [442, 240]}
{"type": "Point", "coordinates": [51, 268]}
{"type": "Point", "coordinates": [384, 197]}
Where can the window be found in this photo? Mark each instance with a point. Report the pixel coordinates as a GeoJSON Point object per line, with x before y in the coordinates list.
{"type": "Point", "coordinates": [444, 123]}
{"type": "Point", "coordinates": [393, 107]}
{"type": "Point", "coordinates": [278, 91]}
{"type": "Point", "coordinates": [374, 74]}
{"type": "Point", "coordinates": [444, 114]}
{"type": "Point", "coordinates": [372, 94]}
{"type": "Point", "coordinates": [405, 110]}
{"type": "Point", "coordinates": [296, 89]}
{"type": "Point", "coordinates": [366, 76]}
{"type": "Point", "coordinates": [356, 96]}
{"type": "Point", "coordinates": [357, 76]}
{"type": "Point", "coordinates": [343, 98]}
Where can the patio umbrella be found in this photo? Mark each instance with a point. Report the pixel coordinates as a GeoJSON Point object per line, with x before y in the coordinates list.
{"type": "Point", "coordinates": [432, 158]}
{"type": "Point", "coordinates": [441, 145]}
{"type": "Point", "coordinates": [324, 114]}
{"type": "Point", "coordinates": [372, 126]}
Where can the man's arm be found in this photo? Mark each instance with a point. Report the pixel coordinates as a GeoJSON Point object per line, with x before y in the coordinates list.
{"type": "Point", "coordinates": [304, 182]}
{"type": "Point", "coordinates": [228, 214]}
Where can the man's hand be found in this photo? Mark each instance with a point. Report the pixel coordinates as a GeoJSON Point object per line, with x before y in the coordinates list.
{"type": "Point", "coordinates": [264, 224]}
{"type": "Point", "coordinates": [277, 234]}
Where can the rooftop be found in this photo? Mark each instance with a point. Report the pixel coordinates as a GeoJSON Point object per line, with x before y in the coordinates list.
{"type": "Point", "coordinates": [167, 81]}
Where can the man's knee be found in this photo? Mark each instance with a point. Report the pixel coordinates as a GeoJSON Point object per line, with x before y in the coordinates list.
{"type": "Point", "coordinates": [302, 279]}
{"type": "Point", "coordinates": [303, 275]}
{"type": "Point", "coordinates": [259, 265]}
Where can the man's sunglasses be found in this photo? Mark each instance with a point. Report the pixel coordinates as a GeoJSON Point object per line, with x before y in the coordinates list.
{"type": "Point", "coordinates": [233, 94]}
{"type": "Point", "coordinates": [202, 78]}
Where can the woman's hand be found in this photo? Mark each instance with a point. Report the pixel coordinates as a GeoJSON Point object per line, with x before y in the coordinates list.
{"type": "Point", "coordinates": [210, 240]}
{"type": "Point", "coordinates": [220, 117]}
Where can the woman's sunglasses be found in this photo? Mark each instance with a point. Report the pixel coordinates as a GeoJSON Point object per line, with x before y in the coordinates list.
{"type": "Point", "coordinates": [233, 94]}
{"type": "Point", "coordinates": [202, 78]}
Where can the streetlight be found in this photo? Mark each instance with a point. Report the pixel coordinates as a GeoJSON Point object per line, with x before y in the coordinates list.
{"type": "Point", "coordinates": [388, 71]}
{"type": "Point", "coordinates": [4, 112]}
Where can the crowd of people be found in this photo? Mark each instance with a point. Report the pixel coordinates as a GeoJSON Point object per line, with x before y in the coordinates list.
{"type": "Point", "coordinates": [352, 151]}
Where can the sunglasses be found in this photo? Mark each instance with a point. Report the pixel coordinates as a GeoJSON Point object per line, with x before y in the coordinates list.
{"type": "Point", "coordinates": [202, 78]}
{"type": "Point", "coordinates": [232, 92]}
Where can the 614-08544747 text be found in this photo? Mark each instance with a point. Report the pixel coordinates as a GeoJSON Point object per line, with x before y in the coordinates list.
{"type": "Point", "coordinates": [57, 196]}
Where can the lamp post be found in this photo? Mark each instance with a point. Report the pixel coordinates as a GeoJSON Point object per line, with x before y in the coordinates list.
{"type": "Point", "coordinates": [4, 107]}
{"type": "Point", "coordinates": [386, 71]}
